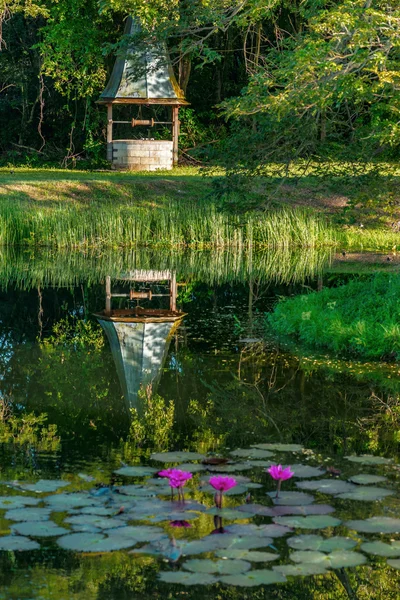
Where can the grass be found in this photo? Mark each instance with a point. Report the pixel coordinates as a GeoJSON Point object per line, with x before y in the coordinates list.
{"type": "Point", "coordinates": [360, 318]}
{"type": "Point", "coordinates": [80, 210]}
{"type": "Point", "coordinates": [27, 269]}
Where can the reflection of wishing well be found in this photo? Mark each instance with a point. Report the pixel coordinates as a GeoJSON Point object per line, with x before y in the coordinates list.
{"type": "Point", "coordinates": [139, 336]}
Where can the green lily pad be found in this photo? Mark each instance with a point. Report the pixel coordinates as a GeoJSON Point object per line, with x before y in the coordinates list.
{"type": "Point", "coordinates": [226, 513]}
{"type": "Point", "coordinates": [95, 520]}
{"type": "Point", "coordinates": [253, 578]}
{"type": "Point", "coordinates": [306, 471]}
{"type": "Point", "coordinates": [291, 498]}
{"type": "Point", "coordinates": [186, 578]}
{"type": "Point", "coordinates": [337, 559]}
{"type": "Point", "coordinates": [175, 516]}
{"type": "Point", "coordinates": [375, 525]}
{"type": "Point", "coordinates": [93, 542]}
{"type": "Point", "coordinates": [237, 467]}
{"type": "Point", "coordinates": [250, 529]}
{"type": "Point", "coordinates": [393, 562]}
{"type": "Point", "coordinates": [140, 490]}
{"type": "Point", "coordinates": [301, 569]}
{"type": "Point", "coordinates": [170, 457]}
{"type": "Point", "coordinates": [366, 479]}
{"type": "Point", "coordinates": [192, 467]}
{"type": "Point", "coordinates": [28, 514]}
{"type": "Point", "coordinates": [222, 567]}
{"type": "Point", "coordinates": [251, 555]}
{"type": "Point", "coordinates": [137, 471]}
{"type": "Point", "coordinates": [224, 541]}
{"type": "Point", "coordinates": [310, 522]}
{"type": "Point", "coordinates": [62, 502]}
{"type": "Point", "coordinates": [328, 486]}
{"type": "Point", "coordinates": [367, 493]}
{"type": "Point", "coordinates": [17, 543]}
{"type": "Point", "coordinates": [369, 459]}
{"type": "Point", "coordinates": [9, 502]}
{"type": "Point", "coordinates": [381, 549]}
{"type": "Point", "coordinates": [251, 453]}
{"type": "Point", "coordinates": [262, 464]}
{"type": "Point", "coordinates": [43, 485]}
{"type": "Point", "coordinates": [39, 529]}
{"type": "Point", "coordinates": [235, 491]}
{"type": "Point", "coordinates": [101, 511]}
{"type": "Point", "coordinates": [85, 528]}
{"type": "Point", "coordinates": [139, 533]}
{"type": "Point", "coordinates": [280, 447]}
{"type": "Point", "coordinates": [316, 542]}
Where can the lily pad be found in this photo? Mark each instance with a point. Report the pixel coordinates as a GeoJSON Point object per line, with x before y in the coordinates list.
{"type": "Point", "coordinates": [93, 542]}
{"type": "Point", "coordinates": [17, 542]}
{"type": "Point", "coordinates": [225, 541]}
{"type": "Point", "coordinates": [280, 447]}
{"type": "Point", "coordinates": [251, 453]}
{"type": "Point", "coordinates": [310, 522]}
{"type": "Point", "coordinates": [140, 490]}
{"type": "Point", "coordinates": [381, 549]}
{"type": "Point", "coordinates": [301, 569]}
{"type": "Point", "coordinates": [316, 542]}
{"type": "Point", "coordinates": [62, 502]}
{"type": "Point", "coordinates": [237, 467]}
{"type": "Point", "coordinates": [192, 467]}
{"type": "Point", "coordinates": [369, 459]}
{"type": "Point", "coordinates": [43, 485]}
{"type": "Point", "coordinates": [250, 529]}
{"type": "Point", "coordinates": [226, 513]}
{"type": "Point", "coordinates": [28, 514]}
{"type": "Point", "coordinates": [39, 529]}
{"type": "Point", "coordinates": [393, 562]}
{"type": "Point", "coordinates": [306, 471]}
{"type": "Point", "coordinates": [367, 493]}
{"type": "Point", "coordinates": [253, 578]}
{"type": "Point", "coordinates": [140, 533]}
{"type": "Point", "coordinates": [311, 509]}
{"type": "Point", "coordinates": [337, 559]}
{"type": "Point", "coordinates": [186, 578]}
{"type": "Point", "coordinates": [95, 520]}
{"type": "Point", "coordinates": [251, 555]}
{"type": "Point", "coordinates": [262, 464]}
{"type": "Point", "coordinates": [175, 516]}
{"type": "Point", "coordinates": [97, 510]}
{"type": "Point", "coordinates": [170, 457]}
{"type": "Point", "coordinates": [9, 502]}
{"type": "Point", "coordinates": [235, 491]}
{"type": "Point", "coordinates": [328, 486]}
{"type": "Point", "coordinates": [375, 525]}
{"type": "Point", "coordinates": [291, 498]}
{"type": "Point", "coordinates": [137, 471]}
{"type": "Point", "coordinates": [222, 567]}
{"type": "Point", "coordinates": [366, 479]}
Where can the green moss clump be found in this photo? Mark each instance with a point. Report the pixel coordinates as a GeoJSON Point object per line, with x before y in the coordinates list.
{"type": "Point", "coordinates": [360, 318]}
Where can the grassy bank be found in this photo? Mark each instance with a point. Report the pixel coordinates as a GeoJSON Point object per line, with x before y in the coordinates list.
{"type": "Point", "coordinates": [360, 318]}
{"type": "Point", "coordinates": [74, 209]}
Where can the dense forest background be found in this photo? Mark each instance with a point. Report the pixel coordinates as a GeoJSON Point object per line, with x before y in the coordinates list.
{"type": "Point", "coordinates": [268, 80]}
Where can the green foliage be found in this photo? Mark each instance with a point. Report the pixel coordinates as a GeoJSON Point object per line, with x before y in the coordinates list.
{"type": "Point", "coordinates": [359, 318]}
{"type": "Point", "coordinates": [27, 429]}
{"type": "Point", "coordinates": [152, 424]}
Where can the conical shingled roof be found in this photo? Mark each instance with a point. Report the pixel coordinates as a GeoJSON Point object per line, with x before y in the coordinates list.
{"type": "Point", "coordinates": [142, 76]}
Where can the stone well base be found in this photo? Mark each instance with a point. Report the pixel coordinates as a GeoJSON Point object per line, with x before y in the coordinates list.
{"type": "Point", "coordinates": [141, 155]}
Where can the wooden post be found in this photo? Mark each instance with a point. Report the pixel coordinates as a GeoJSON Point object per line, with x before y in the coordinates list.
{"type": "Point", "coordinates": [108, 295]}
{"type": "Point", "coordinates": [109, 132]}
{"type": "Point", "coordinates": [172, 302]}
{"type": "Point", "coordinates": [175, 134]}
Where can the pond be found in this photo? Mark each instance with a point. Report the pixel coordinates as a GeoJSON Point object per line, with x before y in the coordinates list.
{"type": "Point", "coordinates": [115, 367]}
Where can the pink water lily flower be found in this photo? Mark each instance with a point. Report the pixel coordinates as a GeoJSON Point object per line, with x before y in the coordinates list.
{"type": "Point", "coordinates": [221, 483]}
{"type": "Point", "coordinates": [177, 479]}
{"type": "Point", "coordinates": [280, 474]}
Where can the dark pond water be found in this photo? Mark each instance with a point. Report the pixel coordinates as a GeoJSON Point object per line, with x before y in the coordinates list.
{"type": "Point", "coordinates": [84, 394]}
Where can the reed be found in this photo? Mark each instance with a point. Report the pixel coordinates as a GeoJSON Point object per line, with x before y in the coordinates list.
{"type": "Point", "coordinates": [32, 268]}
{"type": "Point", "coordinates": [174, 224]}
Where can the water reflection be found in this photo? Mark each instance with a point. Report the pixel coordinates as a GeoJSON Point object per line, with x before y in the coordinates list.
{"type": "Point", "coordinates": [139, 337]}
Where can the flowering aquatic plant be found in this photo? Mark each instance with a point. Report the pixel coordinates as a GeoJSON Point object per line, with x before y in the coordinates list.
{"type": "Point", "coordinates": [280, 474]}
{"type": "Point", "coordinates": [177, 479]}
{"type": "Point", "coordinates": [221, 483]}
